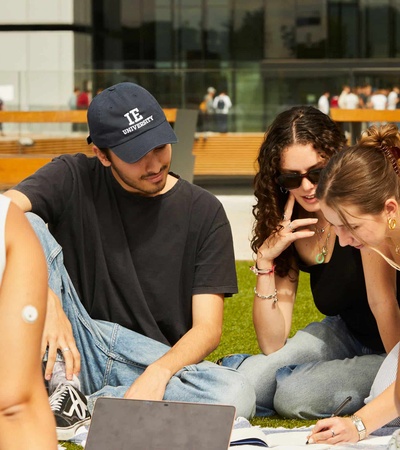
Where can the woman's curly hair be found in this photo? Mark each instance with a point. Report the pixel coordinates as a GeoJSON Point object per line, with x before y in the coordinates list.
{"type": "Point", "coordinates": [299, 125]}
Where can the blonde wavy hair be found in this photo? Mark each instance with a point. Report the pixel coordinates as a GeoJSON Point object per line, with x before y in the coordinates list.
{"type": "Point", "coordinates": [364, 175]}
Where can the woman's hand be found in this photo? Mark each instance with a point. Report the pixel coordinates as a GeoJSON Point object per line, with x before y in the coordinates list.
{"type": "Point", "coordinates": [333, 430]}
{"type": "Point", "coordinates": [289, 232]}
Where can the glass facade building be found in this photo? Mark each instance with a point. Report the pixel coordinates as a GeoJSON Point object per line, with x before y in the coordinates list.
{"type": "Point", "coordinates": [266, 54]}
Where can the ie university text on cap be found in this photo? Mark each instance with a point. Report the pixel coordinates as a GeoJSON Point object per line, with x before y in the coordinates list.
{"type": "Point", "coordinates": [128, 120]}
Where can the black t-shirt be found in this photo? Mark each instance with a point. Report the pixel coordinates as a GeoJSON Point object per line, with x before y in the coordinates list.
{"type": "Point", "coordinates": [134, 260]}
{"type": "Point", "coordinates": [338, 288]}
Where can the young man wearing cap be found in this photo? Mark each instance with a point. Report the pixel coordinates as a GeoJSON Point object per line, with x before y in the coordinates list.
{"type": "Point", "coordinates": [148, 260]}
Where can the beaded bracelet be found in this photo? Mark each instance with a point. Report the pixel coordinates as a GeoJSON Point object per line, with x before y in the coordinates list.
{"type": "Point", "coordinates": [258, 271]}
{"type": "Point", "coordinates": [273, 296]}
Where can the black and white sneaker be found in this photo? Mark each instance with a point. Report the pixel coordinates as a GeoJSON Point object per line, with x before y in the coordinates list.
{"type": "Point", "coordinates": [70, 409]}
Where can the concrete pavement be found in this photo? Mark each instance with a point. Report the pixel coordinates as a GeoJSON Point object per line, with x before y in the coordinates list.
{"type": "Point", "coordinates": [239, 211]}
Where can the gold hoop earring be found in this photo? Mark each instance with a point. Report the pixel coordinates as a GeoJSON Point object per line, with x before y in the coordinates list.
{"type": "Point", "coordinates": [391, 223]}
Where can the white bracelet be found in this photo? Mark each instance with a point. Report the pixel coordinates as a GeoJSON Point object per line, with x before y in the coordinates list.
{"type": "Point", "coordinates": [258, 271]}
{"type": "Point", "coordinates": [273, 296]}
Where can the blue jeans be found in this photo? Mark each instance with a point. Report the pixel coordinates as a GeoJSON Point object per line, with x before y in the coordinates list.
{"type": "Point", "coordinates": [312, 374]}
{"type": "Point", "coordinates": [112, 357]}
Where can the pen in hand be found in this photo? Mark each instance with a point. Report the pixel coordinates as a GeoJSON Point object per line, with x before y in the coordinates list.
{"type": "Point", "coordinates": [340, 408]}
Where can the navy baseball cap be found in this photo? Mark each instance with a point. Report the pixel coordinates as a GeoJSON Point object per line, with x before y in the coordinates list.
{"type": "Point", "coordinates": [128, 120]}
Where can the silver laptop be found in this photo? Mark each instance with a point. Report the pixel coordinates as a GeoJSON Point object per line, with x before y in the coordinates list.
{"type": "Point", "coordinates": [121, 424]}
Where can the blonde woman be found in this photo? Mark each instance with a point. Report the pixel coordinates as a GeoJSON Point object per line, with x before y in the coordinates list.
{"type": "Point", "coordinates": [359, 194]}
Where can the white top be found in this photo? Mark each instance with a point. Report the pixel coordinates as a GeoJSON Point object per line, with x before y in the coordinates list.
{"type": "Point", "coordinates": [323, 104]}
{"type": "Point", "coordinates": [4, 204]}
{"type": "Point", "coordinates": [385, 377]}
{"type": "Point", "coordinates": [392, 100]}
{"type": "Point", "coordinates": [351, 101]}
{"type": "Point", "coordinates": [378, 101]}
{"type": "Point", "coordinates": [386, 374]}
{"type": "Point", "coordinates": [342, 100]}
{"type": "Point", "coordinates": [228, 104]}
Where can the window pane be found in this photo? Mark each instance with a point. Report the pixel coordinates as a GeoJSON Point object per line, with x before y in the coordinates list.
{"type": "Point", "coordinates": [248, 30]}
{"type": "Point", "coordinates": [377, 28]}
{"type": "Point", "coordinates": [344, 30]}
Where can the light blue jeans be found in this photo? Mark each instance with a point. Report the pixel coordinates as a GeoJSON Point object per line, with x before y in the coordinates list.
{"type": "Point", "coordinates": [312, 374]}
{"type": "Point", "coordinates": [112, 356]}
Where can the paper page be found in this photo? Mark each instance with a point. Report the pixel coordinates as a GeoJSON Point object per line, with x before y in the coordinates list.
{"type": "Point", "coordinates": [295, 439]}
{"type": "Point", "coordinates": [246, 434]}
{"type": "Point", "coordinates": [292, 440]}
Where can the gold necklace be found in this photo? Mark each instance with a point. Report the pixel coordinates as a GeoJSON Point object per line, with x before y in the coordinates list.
{"type": "Point", "coordinates": [320, 230]}
{"type": "Point", "coordinates": [320, 258]}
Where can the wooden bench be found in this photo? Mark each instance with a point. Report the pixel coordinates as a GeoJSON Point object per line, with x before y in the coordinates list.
{"type": "Point", "coordinates": [358, 116]}
{"type": "Point", "coordinates": [230, 155]}
{"type": "Point", "coordinates": [67, 116]}
{"type": "Point", "coordinates": [227, 155]}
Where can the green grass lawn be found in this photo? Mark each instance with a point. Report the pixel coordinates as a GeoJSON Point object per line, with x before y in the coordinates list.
{"type": "Point", "coordinates": [238, 333]}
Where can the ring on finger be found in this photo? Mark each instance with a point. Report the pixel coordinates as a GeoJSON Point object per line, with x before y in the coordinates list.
{"type": "Point", "coordinates": [66, 349]}
{"type": "Point", "coordinates": [333, 433]}
{"type": "Point", "coordinates": [290, 227]}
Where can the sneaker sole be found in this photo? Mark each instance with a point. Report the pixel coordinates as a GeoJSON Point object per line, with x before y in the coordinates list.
{"type": "Point", "coordinates": [67, 433]}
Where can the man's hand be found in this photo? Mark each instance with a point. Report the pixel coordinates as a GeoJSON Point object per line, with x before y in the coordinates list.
{"type": "Point", "coordinates": [57, 334]}
{"type": "Point", "coordinates": [191, 348]}
{"type": "Point", "coordinates": [150, 385]}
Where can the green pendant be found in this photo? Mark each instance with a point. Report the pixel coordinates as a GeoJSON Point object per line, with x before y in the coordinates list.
{"type": "Point", "coordinates": [320, 258]}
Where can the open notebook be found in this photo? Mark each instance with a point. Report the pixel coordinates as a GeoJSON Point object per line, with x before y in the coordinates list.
{"type": "Point", "coordinates": [254, 437]}
{"type": "Point", "coordinates": [149, 425]}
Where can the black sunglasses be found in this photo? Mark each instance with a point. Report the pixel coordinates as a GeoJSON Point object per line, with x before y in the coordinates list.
{"type": "Point", "coordinates": [293, 180]}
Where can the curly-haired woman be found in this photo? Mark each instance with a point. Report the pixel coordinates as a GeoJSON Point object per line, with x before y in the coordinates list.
{"type": "Point", "coordinates": [310, 374]}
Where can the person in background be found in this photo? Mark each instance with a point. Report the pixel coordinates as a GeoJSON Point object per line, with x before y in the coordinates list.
{"type": "Point", "coordinates": [393, 98]}
{"type": "Point", "coordinates": [222, 104]}
{"type": "Point", "coordinates": [352, 100]}
{"type": "Point", "coordinates": [343, 104]}
{"type": "Point", "coordinates": [83, 99]}
{"type": "Point", "coordinates": [378, 99]}
{"type": "Point", "coordinates": [72, 102]}
{"type": "Point", "coordinates": [72, 105]}
{"type": "Point", "coordinates": [26, 421]}
{"type": "Point", "coordinates": [343, 95]}
{"type": "Point", "coordinates": [364, 94]}
{"type": "Point", "coordinates": [308, 375]}
{"type": "Point", "coordinates": [323, 102]}
{"type": "Point", "coordinates": [82, 103]}
{"type": "Point", "coordinates": [207, 111]}
{"type": "Point", "coordinates": [359, 194]}
{"type": "Point", "coordinates": [149, 259]}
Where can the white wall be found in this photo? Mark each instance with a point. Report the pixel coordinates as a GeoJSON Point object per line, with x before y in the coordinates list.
{"type": "Point", "coordinates": [36, 12]}
{"type": "Point", "coordinates": [40, 65]}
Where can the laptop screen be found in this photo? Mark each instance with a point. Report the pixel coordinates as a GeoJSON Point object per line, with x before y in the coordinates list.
{"type": "Point", "coordinates": [121, 424]}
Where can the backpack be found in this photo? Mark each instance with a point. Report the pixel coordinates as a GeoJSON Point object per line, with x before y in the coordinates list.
{"type": "Point", "coordinates": [220, 104]}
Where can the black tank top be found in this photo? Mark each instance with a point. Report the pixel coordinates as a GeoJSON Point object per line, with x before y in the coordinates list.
{"type": "Point", "coordinates": [338, 288]}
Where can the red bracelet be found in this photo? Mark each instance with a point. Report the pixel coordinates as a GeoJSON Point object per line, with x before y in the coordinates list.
{"type": "Point", "coordinates": [257, 271]}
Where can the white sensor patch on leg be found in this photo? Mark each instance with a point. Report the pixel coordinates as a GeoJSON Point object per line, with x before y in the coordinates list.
{"type": "Point", "coordinates": [30, 314]}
